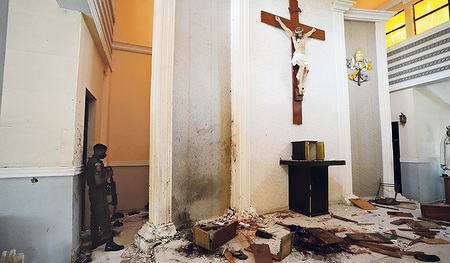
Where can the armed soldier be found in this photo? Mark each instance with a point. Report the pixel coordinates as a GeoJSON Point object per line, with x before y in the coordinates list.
{"type": "Point", "coordinates": [96, 178]}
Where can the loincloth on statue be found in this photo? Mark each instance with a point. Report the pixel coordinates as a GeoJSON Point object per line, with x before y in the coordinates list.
{"type": "Point", "coordinates": [298, 56]}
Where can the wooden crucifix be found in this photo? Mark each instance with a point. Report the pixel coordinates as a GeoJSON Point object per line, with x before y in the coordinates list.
{"type": "Point", "coordinates": [292, 24]}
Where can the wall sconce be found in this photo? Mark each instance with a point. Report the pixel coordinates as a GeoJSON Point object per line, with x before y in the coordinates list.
{"type": "Point", "coordinates": [402, 119]}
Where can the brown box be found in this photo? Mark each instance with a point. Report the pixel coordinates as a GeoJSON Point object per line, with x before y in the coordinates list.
{"type": "Point", "coordinates": [308, 150]}
{"type": "Point", "coordinates": [213, 239]}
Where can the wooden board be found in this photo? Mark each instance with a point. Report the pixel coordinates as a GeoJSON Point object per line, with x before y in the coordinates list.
{"type": "Point", "coordinates": [324, 235]}
{"type": "Point", "coordinates": [423, 225]}
{"type": "Point", "coordinates": [399, 214]}
{"type": "Point", "coordinates": [286, 245]}
{"type": "Point", "coordinates": [371, 237]}
{"type": "Point", "coordinates": [401, 221]}
{"type": "Point", "coordinates": [262, 253]}
{"type": "Point", "coordinates": [434, 241]}
{"type": "Point", "coordinates": [407, 206]}
{"type": "Point", "coordinates": [361, 203]}
{"type": "Point", "coordinates": [435, 212]}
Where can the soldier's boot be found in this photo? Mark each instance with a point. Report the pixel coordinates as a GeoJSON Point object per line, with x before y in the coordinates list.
{"type": "Point", "coordinates": [112, 246]}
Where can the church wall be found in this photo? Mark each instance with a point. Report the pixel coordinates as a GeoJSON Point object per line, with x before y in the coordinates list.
{"type": "Point", "coordinates": [367, 167]}
{"type": "Point", "coordinates": [433, 115]}
{"type": "Point", "coordinates": [403, 101]}
{"type": "Point", "coordinates": [428, 115]}
{"type": "Point", "coordinates": [270, 101]}
{"type": "Point", "coordinates": [134, 22]}
{"type": "Point", "coordinates": [201, 112]}
{"type": "Point", "coordinates": [41, 131]}
{"type": "Point", "coordinates": [38, 101]}
{"type": "Point", "coordinates": [129, 114]}
{"type": "Point", "coordinates": [36, 218]}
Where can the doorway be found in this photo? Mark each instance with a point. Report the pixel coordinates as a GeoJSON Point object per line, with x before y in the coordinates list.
{"type": "Point", "coordinates": [88, 139]}
{"type": "Point", "coordinates": [396, 155]}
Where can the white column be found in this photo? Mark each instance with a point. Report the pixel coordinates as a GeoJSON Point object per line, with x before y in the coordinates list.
{"type": "Point", "coordinates": [345, 172]}
{"type": "Point", "coordinates": [160, 183]}
{"type": "Point", "coordinates": [240, 161]}
{"type": "Point", "coordinates": [385, 107]}
{"type": "Point", "coordinates": [380, 18]}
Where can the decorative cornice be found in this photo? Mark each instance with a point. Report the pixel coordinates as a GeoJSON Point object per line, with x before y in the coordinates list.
{"type": "Point", "coordinates": [130, 47]}
{"type": "Point", "coordinates": [127, 163]}
{"type": "Point", "coordinates": [21, 172]}
{"type": "Point", "coordinates": [342, 5]}
{"type": "Point", "coordinates": [356, 14]}
{"type": "Point", "coordinates": [393, 3]}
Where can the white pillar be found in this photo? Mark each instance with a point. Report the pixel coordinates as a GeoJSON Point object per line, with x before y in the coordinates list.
{"type": "Point", "coordinates": [385, 106]}
{"type": "Point", "coordinates": [160, 183]}
{"type": "Point", "coordinates": [240, 147]}
{"type": "Point", "coordinates": [345, 149]}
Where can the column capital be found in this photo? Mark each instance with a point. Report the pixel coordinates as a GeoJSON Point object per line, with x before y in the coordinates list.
{"type": "Point", "coordinates": [342, 6]}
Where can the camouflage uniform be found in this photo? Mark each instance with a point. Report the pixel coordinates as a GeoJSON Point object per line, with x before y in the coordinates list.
{"type": "Point", "coordinates": [99, 203]}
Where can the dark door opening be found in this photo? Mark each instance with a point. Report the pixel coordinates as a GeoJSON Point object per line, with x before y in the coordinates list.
{"type": "Point", "coordinates": [396, 154]}
{"type": "Point", "coordinates": [88, 111]}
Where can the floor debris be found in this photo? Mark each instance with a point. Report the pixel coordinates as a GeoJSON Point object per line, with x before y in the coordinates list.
{"type": "Point", "coordinates": [297, 238]}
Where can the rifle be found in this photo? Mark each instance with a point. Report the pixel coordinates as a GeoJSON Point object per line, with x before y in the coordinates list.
{"type": "Point", "coordinates": [112, 189]}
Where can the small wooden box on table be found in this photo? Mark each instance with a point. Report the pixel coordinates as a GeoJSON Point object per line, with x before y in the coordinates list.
{"type": "Point", "coordinates": [308, 185]}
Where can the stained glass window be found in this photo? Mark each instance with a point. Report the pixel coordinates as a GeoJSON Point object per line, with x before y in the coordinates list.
{"type": "Point", "coordinates": [396, 29]}
{"type": "Point", "coordinates": [430, 13]}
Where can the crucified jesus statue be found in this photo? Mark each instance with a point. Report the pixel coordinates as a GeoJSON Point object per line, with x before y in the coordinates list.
{"type": "Point", "coordinates": [299, 57]}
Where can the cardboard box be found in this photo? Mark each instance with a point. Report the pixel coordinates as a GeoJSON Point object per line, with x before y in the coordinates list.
{"type": "Point", "coordinates": [308, 150]}
{"type": "Point", "coordinates": [213, 239]}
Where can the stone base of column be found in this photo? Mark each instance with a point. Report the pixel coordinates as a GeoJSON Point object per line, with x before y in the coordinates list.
{"type": "Point", "coordinates": [350, 196]}
{"type": "Point", "coordinates": [149, 235]}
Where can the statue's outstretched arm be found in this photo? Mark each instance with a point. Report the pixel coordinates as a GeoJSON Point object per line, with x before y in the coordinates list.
{"type": "Point", "coordinates": [286, 29]}
{"type": "Point", "coordinates": [310, 33]}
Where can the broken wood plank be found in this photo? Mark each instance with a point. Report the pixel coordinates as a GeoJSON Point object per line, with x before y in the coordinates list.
{"type": "Point", "coordinates": [442, 223]}
{"type": "Point", "coordinates": [363, 204]}
{"type": "Point", "coordinates": [383, 246]}
{"type": "Point", "coordinates": [262, 253]}
{"type": "Point", "coordinates": [401, 221]}
{"type": "Point", "coordinates": [434, 241]}
{"type": "Point", "coordinates": [249, 249]}
{"type": "Point", "coordinates": [382, 206]}
{"type": "Point", "coordinates": [371, 237]}
{"type": "Point", "coordinates": [407, 206]}
{"type": "Point", "coordinates": [427, 234]}
{"type": "Point", "coordinates": [418, 226]}
{"type": "Point", "coordinates": [430, 225]}
{"type": "Point", "coordinates": [229, 256]}
{"type": "Point", "coordinates": [390, 251]}
{"type": "Point", "coordinates": [343, 218]}
{"type": "Point", "coordinates": [324, 235]}
{"type": "Point", "coordinates": [399, 214]}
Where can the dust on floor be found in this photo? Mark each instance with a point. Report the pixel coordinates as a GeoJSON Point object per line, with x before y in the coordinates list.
{"type": "Point", "coordinates": [180, 248]}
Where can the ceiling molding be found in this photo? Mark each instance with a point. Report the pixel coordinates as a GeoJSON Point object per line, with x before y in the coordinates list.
{"type": "Point", "coordinates": [365, 15]}
{"type": "Point", "coordinates": [130, 47]}
{"type": "Point", "coordinates": [393, 3]}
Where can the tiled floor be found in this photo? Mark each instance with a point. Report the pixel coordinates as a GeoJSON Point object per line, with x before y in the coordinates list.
{"type": "Point", "coordinates": [168, 252]}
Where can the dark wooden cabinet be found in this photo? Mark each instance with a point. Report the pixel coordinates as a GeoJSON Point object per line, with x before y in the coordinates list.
{"type": "Point", "coordinates": [308, 185]}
